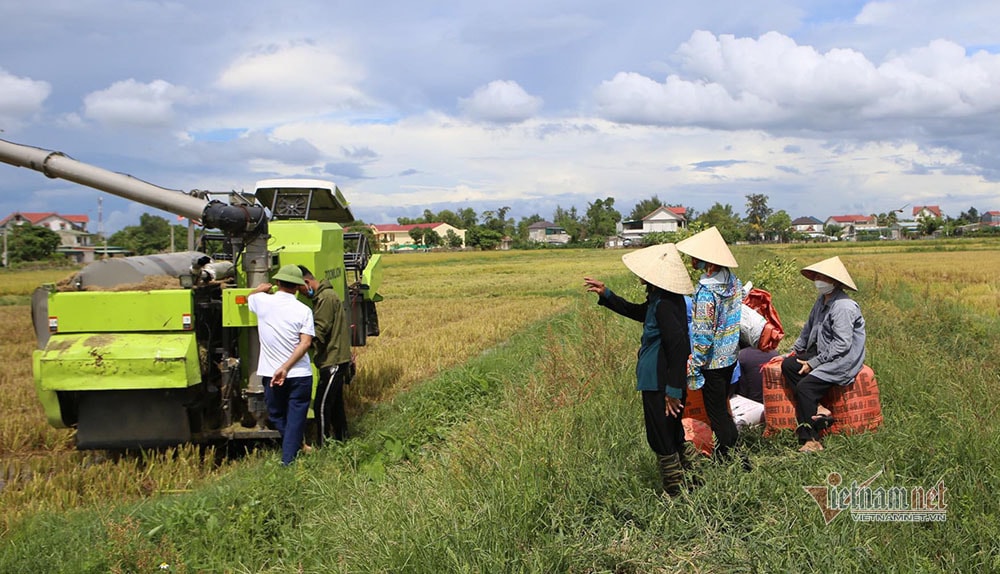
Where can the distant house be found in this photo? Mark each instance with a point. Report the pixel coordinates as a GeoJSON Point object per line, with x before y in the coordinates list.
{"type": "Point", "coordinates": [663, 219]}
{"type": "Point", "coordinates": [855, 220]}
{"type": "Point", "coordinates": [926, 212]}
{"type": "Point", "coordinates": [903, 229]}
{"type": "Point", "coordinates": [52, 220]}
{"type": "Point", "coordinates": [546, 232]}
{"type": "Point", "coordinates": [808, 226]}
{"type": "Point", "coordinates": [852, 224]}
{"type": "Point", "coordinates": [392, 236]}
{"type": "Point", "coordinates": [991, 218]}
{"type": "Point", "coordinates": [74, 240]}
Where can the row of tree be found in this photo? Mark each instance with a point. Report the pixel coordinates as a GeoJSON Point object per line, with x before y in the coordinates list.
{"type": "Point", "coordinates": [486, 230]}
{"type": "Point", "coordinates": [600, 221]}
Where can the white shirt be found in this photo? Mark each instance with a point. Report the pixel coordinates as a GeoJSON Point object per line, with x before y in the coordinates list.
{"type": "Point", "coordinates": [280, 319]}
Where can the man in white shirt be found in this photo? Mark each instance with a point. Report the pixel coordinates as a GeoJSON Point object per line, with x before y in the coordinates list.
{"type": "Point", "coordinates": [286, 330]}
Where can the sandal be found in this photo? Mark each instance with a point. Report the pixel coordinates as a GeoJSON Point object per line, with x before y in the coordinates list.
{"type": "Point", "coordinates": [822, 422]}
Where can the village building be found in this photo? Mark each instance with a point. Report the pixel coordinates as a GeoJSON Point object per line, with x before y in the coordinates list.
{"type": "Point", "coordinates": [808, 225]}
{"type": "Point", "coordinates": [663, 219]}
{"type": "Point", "coordinates": [851, 225]}
{"type": "Point", "coordinates": [903, 229]}
{"type": "Point", "coordinates": [990, 218]}
{"type": "Point", "coordinates": [395, 236]}
{"type": "Point", "coordinates": [547, 232]}
{"type": "Point", "coordinates": [926, 212]}
{"type": "Point", "coordinates": [74, 240]}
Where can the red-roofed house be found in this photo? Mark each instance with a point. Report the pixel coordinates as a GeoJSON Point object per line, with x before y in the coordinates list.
{"type": "Point", "coordinates": [991, 218]}
{"type": "Point", "coordinates": [52, 220]}
{"type": "Point", "coordinates": [851, 224]}
{"type": "Point", "coordinates": [392, 236]}
{"type": "Point", "coordinates": [72, 229]}
{"type": "Point", "coordinates": [663, 219]}
{"type": "Point", "coordinates": [855, 220]}
{"type": "Point", "coordinates": [926, 211]}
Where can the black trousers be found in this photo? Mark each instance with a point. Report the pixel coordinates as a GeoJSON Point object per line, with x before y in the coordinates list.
{"type": "Point", "coordinates": [328, 405]}
{"type": "Point", "coordinates": [808, 392]}
{"type": "Point", "coordinates": [716, 396]}
{"type": "Point", "coordinates": [664, 433]}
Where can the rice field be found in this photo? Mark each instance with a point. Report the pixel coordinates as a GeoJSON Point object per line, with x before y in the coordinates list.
{"type": "Point", "coordinates": [493, 439]}
{"type": "Point", "coordinates": [442, 308]}
{"type": "Point", "coordinates": [439, 310]}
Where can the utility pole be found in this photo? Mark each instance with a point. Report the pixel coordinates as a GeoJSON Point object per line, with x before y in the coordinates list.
{"type": "Point", "coordinates": [100, 224]}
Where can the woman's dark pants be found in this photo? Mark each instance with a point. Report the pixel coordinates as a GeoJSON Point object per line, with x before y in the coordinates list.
{"type": "Point", "coordinates": [716, 396]}
{"type": "Point", "coordinates": [665, 434]}
{"type": "Point", "coordinates": [808, 392]}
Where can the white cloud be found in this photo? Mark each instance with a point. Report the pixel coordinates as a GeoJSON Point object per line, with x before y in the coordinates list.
{"type": "Point", "coordinates": [824, 107]}
{"type": "Point", "coordinates": [500, 101]}
{"type": "Point", "coordinates": [776, 69]}
{"type": "Point", "coordinates": [132, 103]}
{"type": "Point", "coordinates": [633, 98]}
{"type": "Point", "coordinates": [876, 13]}
{"type": "Point", "coordinates": [436, 161]}
{"type": "Point", "coordinates": [299, 73]}
{"type": "Point", "coordinates": [940, 80]}
{"type": "Point", "coordinates": [772, 82]}
{"type": "Point", "coordinates": [20, 97]}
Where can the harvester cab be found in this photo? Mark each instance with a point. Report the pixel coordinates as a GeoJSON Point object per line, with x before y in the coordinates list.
{"type": "Point", "coordinates": [159, 350]}
{"type": "Point", "coordinates": [348, 262]}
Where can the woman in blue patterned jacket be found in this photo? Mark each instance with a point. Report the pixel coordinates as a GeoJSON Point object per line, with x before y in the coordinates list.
{"type": "Point", "coordinates": [715, 330]}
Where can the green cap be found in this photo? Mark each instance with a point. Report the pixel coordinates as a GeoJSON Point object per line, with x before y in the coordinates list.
{"type": "Point", "coordinates": [290, 274]}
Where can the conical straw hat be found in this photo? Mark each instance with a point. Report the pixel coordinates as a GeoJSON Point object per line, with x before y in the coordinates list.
{"type": "Point", "coordinates": [660, 265]}
{"type": "Point", "coordinates": [834, 269]}
{"type": "Point", "coordinates": [709, 246]}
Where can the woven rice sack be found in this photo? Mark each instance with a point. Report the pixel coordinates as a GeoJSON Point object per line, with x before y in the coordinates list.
{"type": "Point", "coordinates": [697, 428]}
{"type": "Point", "coordinates": [694, 406]}
{"type": "Point", "coordinates": [699, 434]}
{"type": "Point", "coordinates": [855, 407]}
{"type": "Point", "coordinates": [779, 399]}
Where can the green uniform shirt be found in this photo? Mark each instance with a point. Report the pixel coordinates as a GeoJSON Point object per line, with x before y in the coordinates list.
{"type": "Point", "coordinates": [332, 342]}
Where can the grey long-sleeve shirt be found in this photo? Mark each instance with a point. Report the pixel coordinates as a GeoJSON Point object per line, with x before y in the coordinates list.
{"type": "Point", "coordinates": [835, 329]}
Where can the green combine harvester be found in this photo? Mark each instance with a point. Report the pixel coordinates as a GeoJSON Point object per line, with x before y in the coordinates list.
{"type": "Point", "coordinates": [133, 366]}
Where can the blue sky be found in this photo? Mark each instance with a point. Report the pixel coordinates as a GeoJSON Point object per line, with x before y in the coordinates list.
{"type": "Point", "coordinates": [826, 107]}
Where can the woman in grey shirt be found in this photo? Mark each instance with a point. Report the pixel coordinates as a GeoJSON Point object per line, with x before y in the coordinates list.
{"type": "Point", "coordinates": [829, 351]}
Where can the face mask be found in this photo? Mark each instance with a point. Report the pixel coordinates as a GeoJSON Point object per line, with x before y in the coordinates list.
{"type": "Point", "coordinates": [700, 265]}
{"type": "Point", "coordinates": [824, 287]}
{"type": "Point", "coordinates": [310, 292]}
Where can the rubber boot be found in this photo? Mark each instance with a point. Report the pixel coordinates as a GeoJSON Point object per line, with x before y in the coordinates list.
{"type": "Point", "coordinates": [672, 473]}
{"type": "Point", "coordinates": [690, 473]}
{"type": "Point", "coordinates": [688, 452]}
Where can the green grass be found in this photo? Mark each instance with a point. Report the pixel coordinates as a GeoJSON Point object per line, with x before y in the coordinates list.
{"type": "Point", "coordinates": [532, 458]}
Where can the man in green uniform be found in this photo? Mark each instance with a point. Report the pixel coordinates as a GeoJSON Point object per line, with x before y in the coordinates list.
{"type": "Point", "coordinates": [332, 356]}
